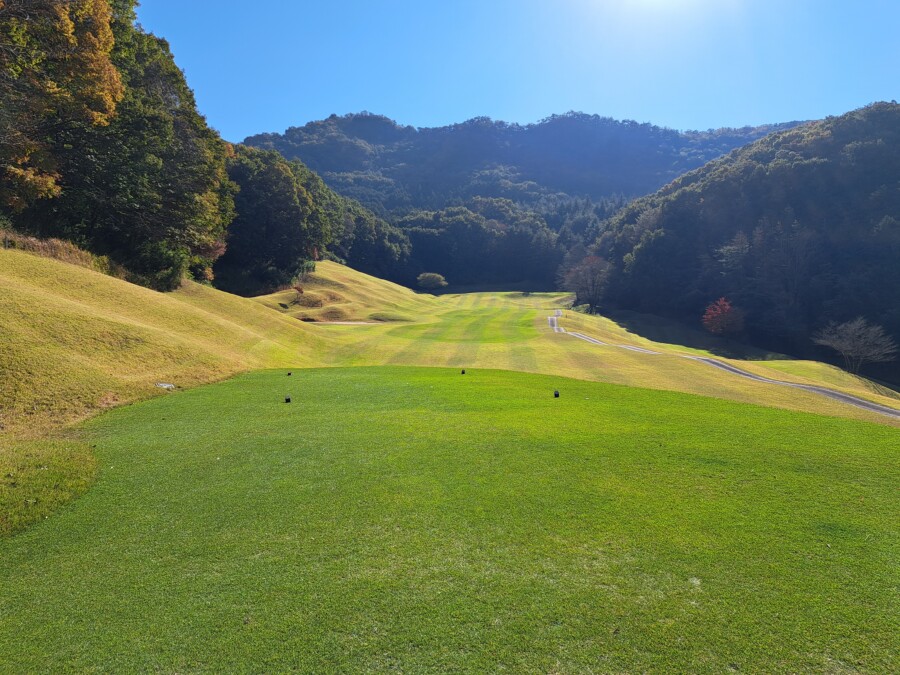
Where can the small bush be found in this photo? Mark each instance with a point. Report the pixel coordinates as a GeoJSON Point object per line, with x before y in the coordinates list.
{"type": "Point", "coordinates": [431, 281]}
{"type": "Point", "coordinates": [304, 271]}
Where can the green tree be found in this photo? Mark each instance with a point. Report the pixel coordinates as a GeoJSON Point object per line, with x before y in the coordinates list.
{"type": "Point", "coordinates": [278, 225]}
{"type": "Point", "coordinates": [149, 189]}
{"type": "Point", "coordinates": [431, 281]}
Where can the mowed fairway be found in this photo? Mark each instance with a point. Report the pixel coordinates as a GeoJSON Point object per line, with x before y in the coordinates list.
{"type": "Point", "coordinates": [508, 331]}
{"type": "Point", "coordinates": [417, 519]}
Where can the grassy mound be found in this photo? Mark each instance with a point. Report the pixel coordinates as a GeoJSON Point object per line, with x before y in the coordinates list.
{"type": "Point", "coordinates": [338, 293]}
{"type": "Point", "coordinates": [421, 520]}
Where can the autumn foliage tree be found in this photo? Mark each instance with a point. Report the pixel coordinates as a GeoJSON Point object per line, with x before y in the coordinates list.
{"type": "Point", "coordinates": [147, 186]}
{"type": "Point", "coordinates": [723, 318]}
{"type": "Point", "coordinates": [55, 72]}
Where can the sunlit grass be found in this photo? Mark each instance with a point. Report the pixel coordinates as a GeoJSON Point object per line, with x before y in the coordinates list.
{"type": "Point", "coordinates": [416, 520]}
{"type": "Point", "coordinates": [37, 477]}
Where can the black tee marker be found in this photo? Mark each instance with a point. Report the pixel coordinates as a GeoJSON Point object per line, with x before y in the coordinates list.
{"type": "Point", "coordinates": [287, 399]}
{"type": "Point", "coordinates": [463, 371]}
{"type": "Point", "coordinates": [556, 393]}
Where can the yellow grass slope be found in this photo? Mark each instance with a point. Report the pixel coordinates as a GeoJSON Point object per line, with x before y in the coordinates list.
{"type": "Point", "coordinates": [74, 341]}
{"type": "Point", "coordinates": [337, 293]}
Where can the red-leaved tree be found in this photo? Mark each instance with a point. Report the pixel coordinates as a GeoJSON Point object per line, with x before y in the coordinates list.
{"type": "Point", "coordinates": [722, 318]}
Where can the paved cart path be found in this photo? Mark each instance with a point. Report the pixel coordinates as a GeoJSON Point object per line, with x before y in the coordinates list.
{"type": "Point", "coordinates": [727, 367]}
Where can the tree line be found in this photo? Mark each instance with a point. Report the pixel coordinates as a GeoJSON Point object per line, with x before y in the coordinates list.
{"type": "Point", "coordinates": [101, 144]}
{"type": "Point", "coordinates": [393, 168]}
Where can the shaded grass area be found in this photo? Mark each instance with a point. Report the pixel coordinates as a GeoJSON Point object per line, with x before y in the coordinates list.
{"type": "Point", "coordinates": [685, 375]}
{"type": "Point", "coordinates": [661, 330]}
{"type": "Point", "coordinates": [419, 520]}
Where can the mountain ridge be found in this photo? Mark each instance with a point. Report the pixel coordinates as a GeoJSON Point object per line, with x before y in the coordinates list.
{"type": "Point", "coordinates": [393, 167]}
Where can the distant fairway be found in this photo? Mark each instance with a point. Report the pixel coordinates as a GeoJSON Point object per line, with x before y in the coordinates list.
{"type": "Point", "coordinates": [417, 519]}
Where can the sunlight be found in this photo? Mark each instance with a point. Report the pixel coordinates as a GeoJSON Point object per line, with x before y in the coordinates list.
{"type": "Point", "coordinates": [667, 8]}
{"type": "Point", "coordinates": [651, 27]}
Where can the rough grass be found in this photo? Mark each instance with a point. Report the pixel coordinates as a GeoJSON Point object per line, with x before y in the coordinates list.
{"type": "Point", "coordinates": [37, 477]}
{"type": "Point", "coordinates": [418, 520]}
{"type": "Point", "coordinates": [59, 249]}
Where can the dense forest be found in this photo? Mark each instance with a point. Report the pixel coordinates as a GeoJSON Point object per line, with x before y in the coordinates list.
{"type": "Point", "coordinates": [796, 230]}
{"type": "Point", "coordinates": [101, 144]}
{"type": "Point", "coordinates": [285, 215]}
{"type": "Point", "coordinates": [396, 168]}
{"type": "Point", "coordinates": [487, 202]}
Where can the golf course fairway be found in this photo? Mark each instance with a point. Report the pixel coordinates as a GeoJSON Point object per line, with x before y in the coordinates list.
{"type": "Point", "coordinates": [417, 519]}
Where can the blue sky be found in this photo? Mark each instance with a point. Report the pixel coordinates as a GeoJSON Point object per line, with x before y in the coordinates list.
{"type": "Point", "coordinates": [686, 64]}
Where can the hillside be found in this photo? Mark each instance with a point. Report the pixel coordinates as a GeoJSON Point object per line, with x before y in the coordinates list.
{"type": "Point", "coordinates": [338, 293]}
{"type": "Point", "coordinates": [797, 229]}
{"type": "Point", "coordinates": [390, 167]}
{"type": "Point", "coordinates": [76, 341]}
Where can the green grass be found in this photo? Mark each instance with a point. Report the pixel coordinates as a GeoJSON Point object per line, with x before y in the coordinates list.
{"type": "Point", "coordinates": [37, 477]}
{"type": "Point", "coordinates": [414, 519]}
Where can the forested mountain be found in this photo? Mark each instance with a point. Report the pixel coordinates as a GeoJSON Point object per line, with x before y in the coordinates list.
{"type": "Point", "coordinates": [798, 229]}
{"type": "Point", "coordinates": [394, 168]}
{"type": "Point", "coordinates": [145, 183]}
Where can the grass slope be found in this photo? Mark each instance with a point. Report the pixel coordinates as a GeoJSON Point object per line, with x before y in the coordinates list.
{"type": "Point", "coordinates": [78, 341]}
{"type": "Point", "coordinates": [338, 293]}
{"type": "Point", "coordinates": [74, 342]}
{"type": "Point", "coordinates": [419, 520]}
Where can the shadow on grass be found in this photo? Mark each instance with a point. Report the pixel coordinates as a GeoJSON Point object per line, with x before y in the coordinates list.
{"type": "Point", "coordinates": [879, 386]}
{"type": "Point", "coordinates": [667, 331]}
